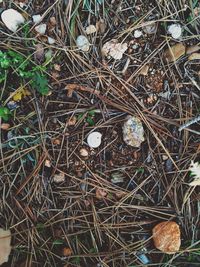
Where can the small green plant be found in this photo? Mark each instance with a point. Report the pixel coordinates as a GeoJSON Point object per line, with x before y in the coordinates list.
{"type": "Point", "coordinates": [22, 66]}
{"type": "Point", "coordinates": [40, 83]}
{"type": "Point", "coordinates": [5, 113]}
{"type": "Point", "coordinates": [140, 170]}
{"type": "Point", "coordinates": [89, 117]}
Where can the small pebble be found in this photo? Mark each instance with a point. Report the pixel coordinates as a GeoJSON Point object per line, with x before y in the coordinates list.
{"type": "Point", "coordinates": [167, 237]}
{"type": "Point", "coordinates": [137, 33]}
{"type": "Point", "coordinates": [83, 43]}
{"type": "Point", "coordinates": [47, 163]}
{"type": "Point", "coordinates": [22, 5]}
{"type": "Point", "coordinates": [5, 126]}
{"type": "Point", "coordinates": [94, 139]}
{"type": "Point", "coordinates": [133, 131]}
{"type": "Point", "coordinates": [59, 178]}
{"type": "Point", "coordinates": [164, 157]}
{"type": "Point", "coordinates": [51, 40]}
{"type": "Point", "coordinates": [90, 29]}
{"type": "Point", "coordinates": [12, 105]}
{"type": "Point", "coordinates": [67, 252]}
{"type": "Point", "coordinates": [41, 29]}
{"type": "Point", "coordinates": [83, 152]}
{"type": "Point", "coordinates": [56, 142]}
{"type": "Point", "coordinates": [175, 30]}
{"type": "Point", "coordinates": [37, 18]}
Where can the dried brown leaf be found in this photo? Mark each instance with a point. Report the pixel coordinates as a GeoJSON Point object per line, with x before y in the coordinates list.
{"type": "Point", "coordinates": [175, 52]}
{"type": "Point", "coordinates": [39, 54]}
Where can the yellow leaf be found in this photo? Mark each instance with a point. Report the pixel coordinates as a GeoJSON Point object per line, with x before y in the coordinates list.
{"type": "Point", "coordinates": [20, 93]}
{"type": "Point", "coordinates": [5, 248]}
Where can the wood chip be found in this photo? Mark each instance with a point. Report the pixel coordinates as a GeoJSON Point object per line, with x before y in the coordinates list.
{"type": "Point", "coordinates": [175, 52]}
{"type": "Point", "coordinates": [166, 237]}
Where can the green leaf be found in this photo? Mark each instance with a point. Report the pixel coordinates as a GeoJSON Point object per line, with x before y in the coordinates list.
{"type": "Point", "coordinates": [80, 116]}
{"type": "Point", "coordinates": [4, 60]}
{"type": "Point", "coordinates": [90, 121]}
{"type": "Point", "coordinates": [40, 83]}
{"type": "Point", "coordinates": [5, 113]}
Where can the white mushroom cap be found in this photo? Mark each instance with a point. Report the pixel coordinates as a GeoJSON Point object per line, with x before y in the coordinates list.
{"type": "Point", "coordinates": [94, 139]}
{"type": "Point", "coordinates": [12, 19]}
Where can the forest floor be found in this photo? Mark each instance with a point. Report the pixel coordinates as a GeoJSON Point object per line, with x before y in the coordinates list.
{"type": "Point", "coordinates": [66, 203]}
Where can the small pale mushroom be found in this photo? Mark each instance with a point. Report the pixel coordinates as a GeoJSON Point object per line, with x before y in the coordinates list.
{"type": "Point", "coordinates": [12, 19]}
